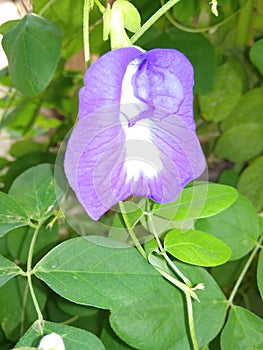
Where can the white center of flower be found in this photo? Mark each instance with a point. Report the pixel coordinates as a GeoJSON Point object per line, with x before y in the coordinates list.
{"type": "Point", "coordinates": [142, 155]}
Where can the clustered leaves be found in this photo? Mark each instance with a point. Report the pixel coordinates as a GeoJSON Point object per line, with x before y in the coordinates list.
{"type": "Point", "coordinates": [95, 290]}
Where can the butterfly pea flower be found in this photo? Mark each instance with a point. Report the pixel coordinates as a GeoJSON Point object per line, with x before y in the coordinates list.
{"type": "Point", "coordinates": [135, 133]}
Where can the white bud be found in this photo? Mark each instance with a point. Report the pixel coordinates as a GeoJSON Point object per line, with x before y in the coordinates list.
{"type": "Point", "coordinates": [51, 341]}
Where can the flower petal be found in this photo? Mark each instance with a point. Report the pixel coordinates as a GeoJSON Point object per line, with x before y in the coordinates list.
{"type": "Point", "coordinates": [164, 79]}
{"type": "Point", "coordinates": [152, 158]}
{"type": "Point", "coordinates": [103, 80]}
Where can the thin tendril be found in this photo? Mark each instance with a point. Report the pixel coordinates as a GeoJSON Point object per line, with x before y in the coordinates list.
{"type": "Point", "coordinates": [197, 30]}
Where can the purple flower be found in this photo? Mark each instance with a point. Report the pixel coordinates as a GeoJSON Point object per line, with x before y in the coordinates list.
{"type": "Point", "coordinates": [136, 133]}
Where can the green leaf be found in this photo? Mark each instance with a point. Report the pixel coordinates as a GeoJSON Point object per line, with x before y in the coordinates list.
{"type": "Point", "coordinates": [243, 330]}
{"type": "Point", "coordinates": [199, 201]}
{"type": "Point", "coordinates": [21, 118]}
{"type": "Point", "coordinates": [35, 191]}
{"type": "Point", "coordinates": [111, 341]}
{"type": "Point", "coordinates": [237, 226]}
{"type": "Point", "coordinates": [7, 25]}
{"type": "Point", "coordinates": [226, 275]}
{"type": "Point", "coordinates": [248, 110]}
{"type": "Point", "coordinates": [249, 184]}
{"type": "Point", "coordinates": [197, 248]}
{"type": "Point", "coordinates": [67, 15]}
{"type": "Point", "coordinates": [221, 101]}
{"type": "Point", "coordinates": [241, 143]}
{"type": "Point", "coordinates": [229, 177]}
{"type": "Point", "coordinates": [105, 271]}
{"type": "Point", "coordinates": [132, 18]}
{"type": "Point", "coordinates": [12, 214]}
{"type": "Point", "coordinates": [256, 54]}
{"type": "Point", "coordinates": [162, 315]}
{"type": "Point", "coordinates": [17, 309]}
{"type": "Point", "coordinates": [73, 338]}
{"type": "Point", "coordinates": [23, 147]}
{"type": "Point", "coordinates": [33, 50]}
{"type": "Point", "coordinates": [20, 165]}
{"type": "Point", "coordinates": [260, 273]}
{"type": "Point", "coordinates": [76, 309]}
{"type": "Point", "coordinates": [8, 270]}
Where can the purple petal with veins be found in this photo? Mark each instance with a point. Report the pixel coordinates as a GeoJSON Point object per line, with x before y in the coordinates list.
{"type": "Point", "coordinates": [136, 133]}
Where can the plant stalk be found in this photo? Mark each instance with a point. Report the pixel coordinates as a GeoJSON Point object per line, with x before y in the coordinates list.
{"type": "Point", "coordinates": [130, 230]}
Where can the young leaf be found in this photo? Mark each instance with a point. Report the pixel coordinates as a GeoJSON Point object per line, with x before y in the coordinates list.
{"type": "Point", "coordinates": [12, 214]}
{"type": "Point", "coordinates": [202, 200]}
{"type": "Point", "coordinates": [35, 191]}
{"type": "Point", "coordinates": [260, 273]}
{"type": "Point", "coordinates": [105, 274]}
{"type": "Point", "coordinates": [237, 226]}
{"type": "Point", "coordinates": [8, 270]}
{"type": "Point", "coordinates": [162, 315]}
{"type": "Point", "coordinates": [197, 248]}
{"type": "Point", "coordinates": [243, 330]}
{"type": "Point", "coordinates": [73, 338]}
{"type": "Point", "coordinates": [31, 69]}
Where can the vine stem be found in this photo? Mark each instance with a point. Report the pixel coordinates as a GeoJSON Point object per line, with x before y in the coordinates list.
{"type": "Point", "coordinates": [153, 19]}
{"type": "Point", "coordinates": [244, 271]}
{"type": "Point", "coordinates": [29, 271]}
{"type": "Point", "coordinates": [191, 320]}
{"type": "Point", "coordinates": [244, 21]}
{"type": "Point", "coordinates": [130, 229]}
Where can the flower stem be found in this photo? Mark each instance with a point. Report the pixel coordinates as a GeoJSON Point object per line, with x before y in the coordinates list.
{"type": "Point", "coordinates": [29, 271]}
{"type": "Point", "coordinates": [86, 10]}
{"type": "Point", "coordinates": [153, 19]}
{"type": "Point", "coordinates": [130, 229]}
{"type": "Point", "coordinates": [244, 271]}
